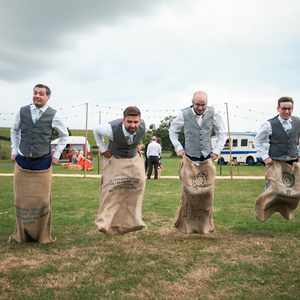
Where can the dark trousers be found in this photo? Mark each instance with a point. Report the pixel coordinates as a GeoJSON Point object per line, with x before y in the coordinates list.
{"type": "Point", "coordinates": [201, 158]}
{"type": "Point", "coordinates": [290, 162]}
{"type": "Point", "coordinates": [153, 161]}
{"type": "Point", "coordinates": [146, 164]}
{"type": "Point", "coordinates": [40, 163]}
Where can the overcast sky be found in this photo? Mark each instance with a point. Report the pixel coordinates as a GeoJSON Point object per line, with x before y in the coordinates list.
{"type": "Point", "coordinates": [153, 54]}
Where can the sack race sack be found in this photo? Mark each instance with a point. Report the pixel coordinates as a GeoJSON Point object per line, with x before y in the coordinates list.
{"type": "Point", "coordinates": [195, 214]}
{"type": "Point", "coordinates": [32, 191]}
{"type": "Point", "coordinates": [122, 193]}
{"type": "Point", "coordinates": [282, 193]}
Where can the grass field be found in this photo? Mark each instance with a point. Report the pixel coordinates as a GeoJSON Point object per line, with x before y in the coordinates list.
{"type": "Point", "coordinates": [4, 131]}
{"type": "Point", "coordinates": [170, 168]}
{"type": "Point", "coordinates": [243, 259]}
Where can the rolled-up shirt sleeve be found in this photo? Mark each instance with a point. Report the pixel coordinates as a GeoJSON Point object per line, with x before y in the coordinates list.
{"type": "Point", "coordinates": [219, 133]}
{"type": "Point", "coordinates": [174, 130]}
{"type": "Point", "coordinates": [63, 133]}
{"type": "Point", "coordinates": [102, 136]}
{"type": "Point", "coordinates": [262, 140]}
{"type": "Point", "coordinates": [15, 135]}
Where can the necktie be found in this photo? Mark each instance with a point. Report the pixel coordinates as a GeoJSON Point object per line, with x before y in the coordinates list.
{"type": "Point", "coordinates": [286, 125]}
{"type": "Point", "coordinates": [130, 139]}
{"type": "Point", "coordinates": [35, 115]}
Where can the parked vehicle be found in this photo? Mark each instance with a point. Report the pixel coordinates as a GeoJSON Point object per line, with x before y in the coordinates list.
{"type": "Point", "coordinates": [242, 149]}
{"type": "Point", "coordinates": [75, 144]}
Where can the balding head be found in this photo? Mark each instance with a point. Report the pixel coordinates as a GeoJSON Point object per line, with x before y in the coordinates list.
{"type": "Point", "coordinates": [200, 95]}
{"type": "Point", "coordinates": [199, 102]}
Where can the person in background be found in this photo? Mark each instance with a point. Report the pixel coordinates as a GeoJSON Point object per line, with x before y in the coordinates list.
{"type": "Point", "coordinates": [153, 156]}
{"type": "Point", "coordinates": [160, 165]}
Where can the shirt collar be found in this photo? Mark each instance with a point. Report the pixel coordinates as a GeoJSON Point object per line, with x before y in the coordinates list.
{"type": "Point", "coordinates": [126, 133]}
{"type": "Point", "coordinates": [43, 108]}
{"type": "Point", "coordinates": [282, 120]}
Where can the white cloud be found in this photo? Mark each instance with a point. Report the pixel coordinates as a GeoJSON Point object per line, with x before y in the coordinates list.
{"type": "Point", "coordinates": [153, 54]}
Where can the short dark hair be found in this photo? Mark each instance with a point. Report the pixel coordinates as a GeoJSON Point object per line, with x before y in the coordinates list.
{"type": "Point", "coordinates": [285, 99]}
{"type": "Point", "coordinates": [131, 111]}
{"type": "Point", "coordinates": [41, 86]}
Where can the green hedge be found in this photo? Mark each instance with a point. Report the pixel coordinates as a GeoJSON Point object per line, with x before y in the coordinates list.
{"type": "Point", "coordinates": [4, 150]}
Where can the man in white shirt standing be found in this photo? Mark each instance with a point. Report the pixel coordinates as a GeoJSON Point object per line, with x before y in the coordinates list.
{"type": "Point", "coordinates": [123, 173]}
{"type": "Point", "coordinates": [31, 150]}
{"type": "Point", "coordinates": [153, 156]}
{"type": "Point", "coordinates": [199, 123]}
{"type": "Point", "coordinates": [277, 143]}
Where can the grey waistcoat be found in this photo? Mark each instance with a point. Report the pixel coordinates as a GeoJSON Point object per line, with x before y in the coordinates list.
{"type": "Point", "coordinates": [198, 139]}
{"type": "Point", "coordinates": [36, 138]}
{"type": "Point", "coordinates": [119, 146]}
{"type": "Point", "coordinates": [283, 145]}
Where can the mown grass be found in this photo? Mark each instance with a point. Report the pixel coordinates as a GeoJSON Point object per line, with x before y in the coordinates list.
{"type": "Point", "coordinates": [243, 259]}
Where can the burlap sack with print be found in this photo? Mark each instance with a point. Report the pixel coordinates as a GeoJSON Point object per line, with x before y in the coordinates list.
{"type": "Point", "coordinates": [32, 191]}
{"type": "Point", "coordinates": [122, 193]}
{"type": "Point", "coordinates": [282, 193]}
{"type": "Point", "coordinates": [195, 214]}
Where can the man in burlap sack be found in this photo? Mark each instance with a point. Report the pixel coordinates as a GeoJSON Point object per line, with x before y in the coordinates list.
{"type": "Point", "coordinates": [197, 173]}
{"type": "Point", "coordinates": [123, 174]}
{"type": "Point", "coordinates": [277, 143]}
{"type": "Point", "coordinates": [31, 150]}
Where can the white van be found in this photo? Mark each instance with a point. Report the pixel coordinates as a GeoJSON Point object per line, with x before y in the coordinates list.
{"type": "Point", "coordinates": [242, 149]}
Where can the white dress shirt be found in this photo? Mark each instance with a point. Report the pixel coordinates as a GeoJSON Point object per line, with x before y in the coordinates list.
{"type": "Point", "coordinates": [218, 126]}
{"type": "Point", "coordinates": [262, 138]}
{"type": "Point", "coordinates": [104, 134]}
{"type": "Point", "coordinates": [36, 113]}
{"type": "Point", "coordinates": [154, 149]}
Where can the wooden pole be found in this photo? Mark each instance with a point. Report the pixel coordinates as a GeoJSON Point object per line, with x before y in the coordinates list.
{"type": "Point", "coordinates": [98, 156]}
{"type": "Point", "coordinates": [99, 117]}
{"type": "Point", "coordinates": [86, 135]}
{"type": "Point", "coordinates": [229, 139]}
